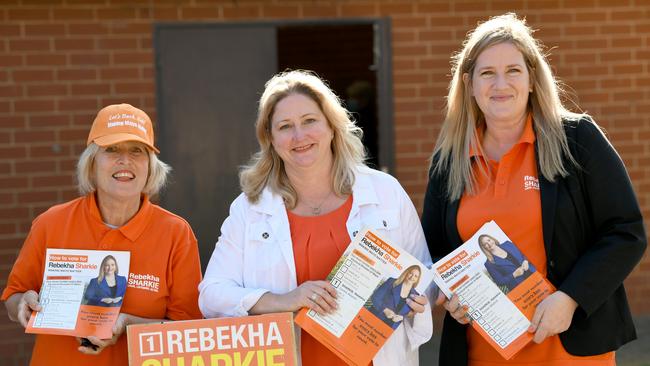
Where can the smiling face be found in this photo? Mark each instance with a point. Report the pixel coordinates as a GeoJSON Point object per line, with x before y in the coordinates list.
{"type": "Point", "coordinates": [121, 171]}
{"type": "Point", "coordinates": [413, 276]}
{"type": "Point", "coordinates": [301, 134]}
{"type": "Point", "coordinates": [488, 243]}
{"type": "Point", "coordinates": [109, 267]}
{"type": "Point", "coordinates": [500, 83]}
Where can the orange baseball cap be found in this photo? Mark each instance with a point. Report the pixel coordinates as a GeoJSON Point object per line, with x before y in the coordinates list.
{"type": "Point", "coordinates": [121, 122]}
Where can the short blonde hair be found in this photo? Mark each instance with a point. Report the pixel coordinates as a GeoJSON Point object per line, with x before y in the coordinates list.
{"type": "Point", "coordinates": [266, 168]}
{"type": "Point", "coordinates": [158, 172]}
{"type": "Point", "coordinates": [463, 116]}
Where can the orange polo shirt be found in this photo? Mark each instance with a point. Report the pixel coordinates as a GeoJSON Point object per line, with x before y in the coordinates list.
{"type": "Point", "coordinates": [510, 196]}
{"type": "Point", "coordinates": [163, 250]}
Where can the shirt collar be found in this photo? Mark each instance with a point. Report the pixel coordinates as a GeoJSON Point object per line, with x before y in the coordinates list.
{"type": "Point", "coordinates": [134, 227]}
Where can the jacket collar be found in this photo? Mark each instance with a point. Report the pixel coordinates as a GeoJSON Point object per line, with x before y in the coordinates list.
{"type": "Point", "coordinates": [273, 206]}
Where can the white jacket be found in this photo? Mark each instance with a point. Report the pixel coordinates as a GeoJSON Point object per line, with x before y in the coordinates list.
{"type": "Point", "coordinates": [254, 255]}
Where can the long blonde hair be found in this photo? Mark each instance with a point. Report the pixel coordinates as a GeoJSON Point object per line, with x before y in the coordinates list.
{"type": "Point", "coordinates": [487, 253]}
{"type": "Point", "coordinates": [102, 273]}
{"type": "Point", "coordinates": [463, 116]}
{"type": "Point", "coordinates": [267, 168]}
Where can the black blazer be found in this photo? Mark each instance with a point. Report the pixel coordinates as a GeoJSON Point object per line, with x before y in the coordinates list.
{"type": "Point", "coordinates": [593, 237]}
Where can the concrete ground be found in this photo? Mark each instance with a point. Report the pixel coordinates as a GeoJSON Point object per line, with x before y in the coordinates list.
{"type": "Point", "coordinates": [636, 353]}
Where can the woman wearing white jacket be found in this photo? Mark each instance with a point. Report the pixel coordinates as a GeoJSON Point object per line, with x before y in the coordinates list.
{"type": "Point", "coordinates": [306, 194]}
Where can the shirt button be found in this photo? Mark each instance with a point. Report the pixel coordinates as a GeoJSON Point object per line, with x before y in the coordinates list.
{"type": "Point", "coordinates": [551, 264]}
{"type": "Point", "coordinates": [265, 235]}
{"type": "Point", "coordinates": [354, 233]}
{"type": "Point", "coordinates": [384, 222]}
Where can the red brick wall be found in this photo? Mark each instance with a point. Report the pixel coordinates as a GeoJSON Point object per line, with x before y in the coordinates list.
{"type": "Point", "coordinates": [60, 61]}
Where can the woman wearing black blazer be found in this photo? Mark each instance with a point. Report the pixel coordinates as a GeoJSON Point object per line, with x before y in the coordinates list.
{"type": "Point", "coordinates": [591, 223]}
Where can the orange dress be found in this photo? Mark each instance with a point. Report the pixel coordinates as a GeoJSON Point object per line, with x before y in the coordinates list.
{"type": "Point", "coordinates": [318, 243]}
{"type": "Point", "coordinates": [511, 198]}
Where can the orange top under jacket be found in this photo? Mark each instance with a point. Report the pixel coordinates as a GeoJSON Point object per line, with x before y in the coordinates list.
{"type": "Point", "coordinates": [510, 196]}
{"type": "Point", "coordinates": [164, 269]}
{"type": "Point", "coordinates": [318, 243]}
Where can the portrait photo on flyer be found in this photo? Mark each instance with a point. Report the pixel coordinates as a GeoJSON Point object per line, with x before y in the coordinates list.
{"type": "Point", "coordinates": [82, 292]}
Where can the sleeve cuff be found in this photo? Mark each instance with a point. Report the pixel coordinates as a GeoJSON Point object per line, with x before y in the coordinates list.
{"type": "Point", "coordinates": [248, 301]}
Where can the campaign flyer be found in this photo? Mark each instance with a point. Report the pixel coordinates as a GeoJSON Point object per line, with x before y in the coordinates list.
{"type": "Point", "coordinates": [82, 292]}
{"type": "Point", "coordinates": [498, 284]}
{"type": "Point", "coordinates": [373, 278]}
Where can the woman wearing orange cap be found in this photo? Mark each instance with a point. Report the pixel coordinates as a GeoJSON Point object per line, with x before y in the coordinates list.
{"type": "Point", "coordinates": [116, 174]}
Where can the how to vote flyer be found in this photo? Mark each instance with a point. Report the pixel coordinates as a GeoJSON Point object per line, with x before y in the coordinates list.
{"type": "Point", "coordinates": [498, 284]}
{"type": "Point", "coordinates": [82, 292]}
{"type": "Point", "coordinates": [373, 278]}
{"type": "Point", "coordinates": [261, 340]}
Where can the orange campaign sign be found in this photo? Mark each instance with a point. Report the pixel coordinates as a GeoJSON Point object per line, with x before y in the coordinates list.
{"type": "Point", "coordinates": [261, 340]}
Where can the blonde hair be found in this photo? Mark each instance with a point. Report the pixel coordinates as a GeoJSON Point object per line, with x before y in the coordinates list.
{"type": "Point", "coordinates": [406, 272]}
{"type": "Point", "coordinates": [487, 253]}
{"type": "Point", "coordinates": [158, 172]}
{"type": "Point", "coordinates": [102, 274]}
{"type": "Point", "coordinates": [266, 168]}
{"type": "Point", "coordinates": [463, 116]}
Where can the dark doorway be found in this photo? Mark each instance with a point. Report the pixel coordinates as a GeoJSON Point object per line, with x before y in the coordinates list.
{"type": "Point", "coordinates": [343, 55]}
{"type": "Point", "coordinates": [210, 77]}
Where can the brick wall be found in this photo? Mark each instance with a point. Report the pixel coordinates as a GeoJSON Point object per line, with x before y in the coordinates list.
{"type": "Point", "coordinates": [60, 61]}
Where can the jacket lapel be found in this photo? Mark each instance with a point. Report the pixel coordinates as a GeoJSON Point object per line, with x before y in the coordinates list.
{"type": "Point", "coordinates": [548, 196]}
{"type": "Point", "coordinates": [450, 223]}
{"type": "Point", "coordinates": [272, 205]}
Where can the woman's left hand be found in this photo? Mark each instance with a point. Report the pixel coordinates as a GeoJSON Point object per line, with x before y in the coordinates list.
{"type": "Point", "coordinates": [552, 316]}
{"type": "Point", "coordinates": [120, 326]}
{"type": "Point", "coordinates": [417, 303]}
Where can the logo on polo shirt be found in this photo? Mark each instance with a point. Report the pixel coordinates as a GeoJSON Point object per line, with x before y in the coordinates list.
{"type": "Point", "coordinates": [531, 182]}
{"type": "Point", "coordinates": [144, 282]}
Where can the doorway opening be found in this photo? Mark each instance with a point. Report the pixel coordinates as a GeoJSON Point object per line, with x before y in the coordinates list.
{"type": "Point", "coordinates": [343, 55]}
{"type": "Point", "coordinates": [209, 77]}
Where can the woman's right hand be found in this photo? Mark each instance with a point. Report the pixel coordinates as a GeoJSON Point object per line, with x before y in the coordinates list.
{"type": "Point", "coordinates": [453, 306]}
{"type": "Point", "coordinates": [20, 306]}
{"type": "Point", "coordinates": [389, 313]}
{"type": "Point", "coordinates": [319, 296]}
{"type": "Point", "coordinates": [518, 272]}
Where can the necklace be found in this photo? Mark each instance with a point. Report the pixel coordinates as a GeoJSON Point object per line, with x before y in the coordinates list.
{"type": "Point", "coordinates": [316, 210]}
